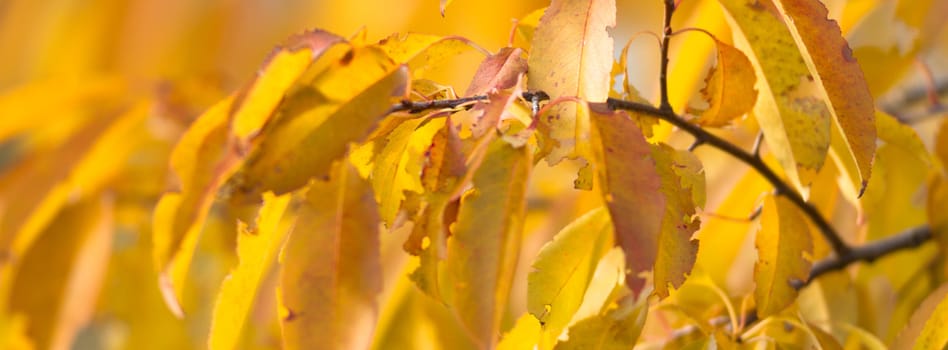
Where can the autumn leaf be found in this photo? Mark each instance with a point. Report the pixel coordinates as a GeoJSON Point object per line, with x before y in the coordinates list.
{"type": "Point", "coordinates": [498, 71]}
{"type": "Point", "coordinates": [790, 108]}
{"type": "Point", "coordinates": [682, 184]}
{"type": "Point", "coordinates": [202, 163]}
{"type": "Point", "coordinates": [616, 329]}
{"type": "Point", "coordinates": [524, 334]}
{"type": "Point", "coordinates": [336, 108]}
{"type": "Point", "coordinates": [832, 64]}
{"type": "Point", "coordinates": [783, 249]}
{"type": "Point", "coordinates": [563, 268]}
{"type": "Point", "coordinates": [631, 185]}
{"type": "Point", "coordinates": [330, 270]}
{"type": "Point", "coordinates": [571, 56]}
{"type": "Point", "coordinates": [421, 52]}
{"type": "Point", "coordinates": [926, 328]}
{"type": "Point", "coordinates": [62, 272]}
{"type": "Point", "coordinates": [255, 105]}
{"type": "Point", "coordinates": [484, 247]}
{"type": "Point", "coordinates": [399, 162]}
{"type": "Point", "coordinates": [257, 247]}
{"type": "Point", "coordinates": [729, 88]}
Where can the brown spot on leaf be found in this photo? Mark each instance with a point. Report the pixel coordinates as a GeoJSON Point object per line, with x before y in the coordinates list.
{"type": "Point", "coordinates": [347, 58]}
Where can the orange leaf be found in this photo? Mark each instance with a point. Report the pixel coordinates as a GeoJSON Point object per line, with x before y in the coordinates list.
{"type": "Point", "coordinates": [730, 87]}
{"type": "Point", "coordinates": [832, 63]}
{"type": "Point", "coordinates": [331, 273]}
{"type": "Point", "coordinates": [483, 250]}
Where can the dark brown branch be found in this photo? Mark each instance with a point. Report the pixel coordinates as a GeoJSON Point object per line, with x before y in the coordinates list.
{"type": "Point", "coordinates": [420, 106]}
{"type": "Point", "coordinates": [705, 137]}
{"type": "Point", "coordinates": [869, 252]}
{"type": "Point", "coordinates": [666, 39]}
{"type": "Point", "coordinates": [908, 239]}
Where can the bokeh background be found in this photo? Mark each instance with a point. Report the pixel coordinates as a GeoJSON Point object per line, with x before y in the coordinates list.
{"type": "Point", "coordinates": [70, 68]}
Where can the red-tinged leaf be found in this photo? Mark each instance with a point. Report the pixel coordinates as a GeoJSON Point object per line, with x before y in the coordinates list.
{"type": "Point", "coordinates": [444, 176]}
{"type": "Point", "coordinates": [790, 106]}
{"type": "Point", "coordinates": [571, 56]}
{"type": "Point", "coordinates": [257, 248]}
{"type": "Point", "coordinates": [631, 185]}
{"type": "Point", "coordinates": [59, 278]}
{"type": "Point", "coordinates": [682, 181]}
{"type": "Point", "coordinates": [255, 105]}
{"type": "Point", "coordinates": [336, 108]}
{"type": "Point", "coordinates": [729, 88]}
{"type": "Point", "coordinates": [331, 273]}
{"type": "Point", "coordinates": [783, 252]}
{"type": "Point", "coordinates": [832, 64]}
{"type": "Point", "coordinates": [498, 71]}
{"type": "Point", "coordinates": [482, 253]}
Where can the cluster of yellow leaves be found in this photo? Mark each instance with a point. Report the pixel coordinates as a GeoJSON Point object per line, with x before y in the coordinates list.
{"type": "Point", "coordinates": [282, 214]}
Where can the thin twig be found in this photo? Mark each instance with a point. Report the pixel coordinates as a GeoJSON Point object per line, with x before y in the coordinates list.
{"type": "Point", "coordinates": [782, 187]}
{"type": "Point", "coordinates": [869, 252]}
{"type": "Point", "coordinates": [755, 150]}
{"type": "Point", "coordinates": [666, 39]}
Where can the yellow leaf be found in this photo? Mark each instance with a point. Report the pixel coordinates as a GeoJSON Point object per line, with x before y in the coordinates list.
{"type": "Point", "coordinates": [729, 87]}
{"type": "Point", "coordinates": [617, 329]}
{"type": "Point", "coordinates": [891, 203]}
{"type": "Point", "coordinates": [58, 280]}
{"type": "Point", "coordinates": [338, 107]}
{"type": "Point", "coordinates": [524, 335]}
{"type": "Point", "coordinates": [893, 132]}
{"type": "Point", "coordinates": [571, 56]}
{"type": "Point", "coordinates": [13, 333]}
{"type": "Point", "coordinates": [82, 165]}
{"type": "Point", "coordinates": [257, 248]}
{"type": "Point", "coordinates": [422, 52]}
{"type": "Point", "coordinates": [926, 329]}
{"type": "Point", "coordinates": [790, 109]}
{"type": "Point", "coordinates": [256, 103]}
{"type": "Point", "coordinates": [330, 272]}
{"type": "Point", "coordinates": [31, 106]}
{"type": "Point", "coordinates": [202, 162]}
{"type": "Point", "coordinates": [398, 164]}
{"type": "Point", "coordinates": [783, 250]}
{"type": "Point", "coordinates": [563, 268]}
{"type": "Point", "coordinates": [831, 62]}
{"type": "Point", "coordinates": [482, 253]}
{"type": "Point", "coordinates": [527, 25]}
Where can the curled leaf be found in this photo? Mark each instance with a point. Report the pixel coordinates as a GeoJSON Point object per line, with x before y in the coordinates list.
{"type": "Point", "coordinates": [783, 249]}
{"type": "Point", "coordinates": [729, 88]}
